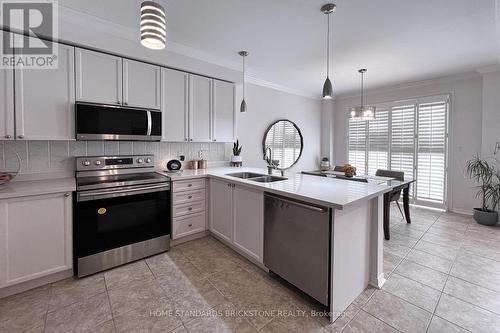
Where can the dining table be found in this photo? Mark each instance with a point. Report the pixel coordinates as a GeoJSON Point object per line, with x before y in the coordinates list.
{"type": "Point", "coordinates": [396, 185]}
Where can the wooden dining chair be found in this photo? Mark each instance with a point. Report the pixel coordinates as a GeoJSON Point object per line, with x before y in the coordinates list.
{"type": "Point", "coordinates": [399, 175]}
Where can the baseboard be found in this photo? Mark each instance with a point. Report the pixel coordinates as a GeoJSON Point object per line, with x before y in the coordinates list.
{"type": "Point", "coordinates": [461, 211]}
{"type": "Point", "coordinates": [24, 286]}
{"type": "Point", "coordinates": [178, 241]}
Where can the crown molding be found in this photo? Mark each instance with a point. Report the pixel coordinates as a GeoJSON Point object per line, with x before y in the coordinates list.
{"type": "Point", "coordinates": [268, 84]}
{"type": "Point", "coordinates": [489, 69]}
{"type": "Point", "coordinates": [414, 84]}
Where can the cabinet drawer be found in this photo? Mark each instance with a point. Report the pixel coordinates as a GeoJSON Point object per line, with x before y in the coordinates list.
{"type": "Point", "coordinates": [188, 225]}
{"type": "Point", "coordinates": [187, 185]}
{"type": "Point", "coordinates": [190, 208]}
{"type": "Point", "coordinates": [188, 197]}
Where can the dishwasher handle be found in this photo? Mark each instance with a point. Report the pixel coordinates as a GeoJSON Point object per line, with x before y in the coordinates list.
{"type": "Point", "coordinates": [300, 204]}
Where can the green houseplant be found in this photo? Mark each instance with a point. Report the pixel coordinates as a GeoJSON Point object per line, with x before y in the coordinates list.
{"type": "Point", "coordinates": [236, 152]}
{"type": "Point", "coordinates": [488, 190]}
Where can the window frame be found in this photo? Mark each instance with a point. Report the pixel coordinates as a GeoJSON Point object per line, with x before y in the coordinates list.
{"type": "Point", "coordinates": [416, 102]}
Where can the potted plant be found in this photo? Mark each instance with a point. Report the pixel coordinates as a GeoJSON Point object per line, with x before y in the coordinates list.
{"type": "Point", "coordinates": [236, 152]}
{"type": "Point", "coordinates": [488, 178]}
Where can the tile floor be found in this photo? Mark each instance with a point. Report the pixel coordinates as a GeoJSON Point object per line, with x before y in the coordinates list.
{"type": "Point", "coordinates": [443, 275]}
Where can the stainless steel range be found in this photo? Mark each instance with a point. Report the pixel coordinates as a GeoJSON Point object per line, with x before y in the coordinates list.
{"type": "Point", "coordinates": [121, 212]}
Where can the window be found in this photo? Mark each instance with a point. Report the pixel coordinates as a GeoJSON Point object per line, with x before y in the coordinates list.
{"type": "Point", "coordinates": [405, 136]}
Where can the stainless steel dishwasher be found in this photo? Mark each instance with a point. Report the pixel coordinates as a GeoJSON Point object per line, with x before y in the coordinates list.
{"type": "Point", "coordinates": [297, 244]}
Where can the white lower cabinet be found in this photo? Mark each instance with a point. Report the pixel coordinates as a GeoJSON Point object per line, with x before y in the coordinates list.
{"type": "Point", "coordinates": [35, 237]}
{"type": "Point", "coordinates": [237, 216]}
{"type": "Point", "coordinates": [189, 214]}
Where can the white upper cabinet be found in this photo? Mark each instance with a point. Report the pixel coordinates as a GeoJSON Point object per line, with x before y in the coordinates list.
{"type": "Point", "coordinates": [35, 237]}
{"type": "Point", "coordinates": [200, 108]}
{"type": "Point", "coordinates": [98, 77]}
{"type": "Point", "coordinates": [223, 111]}
{"type": "Point", "coordinates": [41, 115]}
{"type": "Point", "coordinates": [141, 84]}
{"type": "Point", "coordinates": [221, 209]}
{"type": "Point", "coordinates": [174, 105]}
{"type": "Point", "coordinates": [6, 102]}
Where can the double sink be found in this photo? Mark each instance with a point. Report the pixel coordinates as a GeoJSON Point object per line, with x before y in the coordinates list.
{"type": "Point", "coordinates": [256, 177]}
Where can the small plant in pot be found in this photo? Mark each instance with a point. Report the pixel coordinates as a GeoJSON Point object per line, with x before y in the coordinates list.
{"type": "Point", "coordinates": [236, 152]}
{"type": "Point", "coordinates": [488, 178]}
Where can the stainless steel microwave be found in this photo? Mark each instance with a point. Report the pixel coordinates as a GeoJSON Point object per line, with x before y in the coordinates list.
{"type": "Point", "coordinates": [113, 122]}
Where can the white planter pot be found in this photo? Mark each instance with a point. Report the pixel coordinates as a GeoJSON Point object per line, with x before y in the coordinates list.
{"type": "Point", "coordinates": [236, 158]}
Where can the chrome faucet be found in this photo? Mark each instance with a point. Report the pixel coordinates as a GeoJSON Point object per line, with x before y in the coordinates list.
{"type": "Point", "coordinates": [271, 164]}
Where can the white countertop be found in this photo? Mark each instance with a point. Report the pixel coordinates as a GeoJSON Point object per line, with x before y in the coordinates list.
{"type": "Point", "coordinates": [36, 187]}
{"type": "Point", "coordinates": [329, 192]}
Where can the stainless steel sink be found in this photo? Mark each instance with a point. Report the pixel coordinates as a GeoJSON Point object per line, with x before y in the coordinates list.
{"type": "Point", "coordinates": [267, 179]}
{"type": "Point", "coordinates": [245, 175]}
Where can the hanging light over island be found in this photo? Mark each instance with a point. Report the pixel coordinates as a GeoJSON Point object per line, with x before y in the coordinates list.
{"type": "Point", "coordinates": [328, 9]}
{"type": "Point", "coordinates": [363, 112]}
{"type": "Point", "coordinates": [243, 105]}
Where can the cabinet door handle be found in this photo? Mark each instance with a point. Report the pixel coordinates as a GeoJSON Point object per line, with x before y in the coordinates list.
{"type": "Point", "coordinates": [190, 225]}
{"type": "Point", "coordinates": [190, 139]}
{"type": "Point", "coordinates": [67, 194]}
{"type": "Point", "coordinates": [190, 197]}
{"type": "Point", "coordinates": [20, 136]}
{"type": "Point", "coordinates": [190, 208]}
{"type": "Point", "coordinates": [8, 136]}
{"type": "Point", "coordinates": [215, 139]}
{"type": "Point", "coordinates": [189, 185]}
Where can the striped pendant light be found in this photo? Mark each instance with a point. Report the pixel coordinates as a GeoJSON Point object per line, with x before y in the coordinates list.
{"type": "Point", "coordinates": [153, 25]}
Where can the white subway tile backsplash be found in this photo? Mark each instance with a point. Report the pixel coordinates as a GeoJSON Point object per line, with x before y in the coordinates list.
{"type": "Point", "coordinates": [111, 148]}
{"type": "Point", "coordinates": [38, 156]}
{"type": "Point", "coordinates": [58, 156]}
{"type": "Point", "coordinates": [95, 148]}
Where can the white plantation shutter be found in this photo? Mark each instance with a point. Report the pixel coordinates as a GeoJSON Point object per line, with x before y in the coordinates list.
{"type": "Point", "coordinates": [357, 145]}
{"type": "Point", "coordinates": [378, 142]}
{"type": "Point", "coordinates": [431, 153]}
{"type": "Point", "coordinates": [409, 137]}
{"type": "Point", "coordinates": [403, 139]}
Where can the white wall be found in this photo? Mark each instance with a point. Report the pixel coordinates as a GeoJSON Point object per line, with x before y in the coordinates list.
{"type": "Point", "coordinates": [491, 112]}
{"type": "Point", "coordinates": [265, 106]}
{"type": "Point", "coordinates": [465, 127]}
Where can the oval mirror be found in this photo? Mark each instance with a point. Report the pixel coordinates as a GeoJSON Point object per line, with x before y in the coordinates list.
{"type": "Point", "coordinates": [284, 140]}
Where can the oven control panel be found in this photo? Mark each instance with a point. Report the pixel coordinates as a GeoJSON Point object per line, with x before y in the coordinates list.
{"type": "Point", "coordinates": [113, 162]}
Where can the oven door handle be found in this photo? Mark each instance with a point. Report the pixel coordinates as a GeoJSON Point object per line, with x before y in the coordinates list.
{"type": "Point", "coordinates": [104, 194]}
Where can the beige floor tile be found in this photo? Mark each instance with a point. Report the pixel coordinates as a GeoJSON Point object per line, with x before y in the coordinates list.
{"type": "Point", "coordinates": [391, 261]}
{"type": "Point", "coordinates": [344, 318]}
{"type": "Point", "coordinates": [234, 283]}
{"type": "Point", "coordinates": [123, 275]}
{"type": "Point", "coordinates": [366, 323]}
{"type": "Point", "coordinates": [402, 240]}
{"type": "Point", "coordinates": [481, 271]}
{"type": "Point", "coordinates": [161, 317]}
{"type": "Point", "coordinates": [223, 319]}
{"type": "Point", "coordinates": [396, 249]}
{"type": "Point", "coordinates": [298, 324]}
{"type": "Point", "coordinates": [444, 230]}
{"type": "Point", "coordinates": [422, 274]}
{"type": "Point", "coordinates": [213, 263]}
{"type": "Point", "coordinates": [410, 230]}
{"type": "Point", "coordinates": [364, 297]}
{"type": "Point", "coordinates": [80, 317]}
{"type": "Point", "coordinates": [443, 251]}
{"type": "Point", "coordinates": [430, 260]}
{"type": "Point", "coordinates": [413, 292]}
{"type": "Point", "coordinates": [467, 315]}
{"type": "Point", "coordinates": [439, 325]}
{"type": "Point", "coordinates": [398, 313]}
{"type": "Point", "coordinates": [74, 290]}
{"type": "Point", "coordinates": [471, 293]}
{"type": "Point", "coordinates": [451, 241]}
{"type": "Point", "coordinates": [107, 327]}
{"type": "Point", "coordinates": [135, 296]}
{"type": "Point", "coordinates": [24, 311]}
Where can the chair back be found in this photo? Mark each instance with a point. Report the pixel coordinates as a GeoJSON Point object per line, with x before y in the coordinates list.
{"type": "Point", "coordinates": [338, 168]}
{"type": "Point", "coordinates": [399, 175]}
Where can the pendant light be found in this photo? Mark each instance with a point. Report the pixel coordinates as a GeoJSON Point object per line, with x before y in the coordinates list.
{"type": "Point", "coordinates": [243, 106]}
{"type": "Point", "coordinates": [153, 25]}
{"type": "Point", "coordinates": [328, 9]}
{"type": "Point", "coordinates": [362, 112]}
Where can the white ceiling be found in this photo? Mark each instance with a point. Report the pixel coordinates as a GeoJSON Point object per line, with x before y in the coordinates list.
{"type": "Point", "coordinates": [397, 40]}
